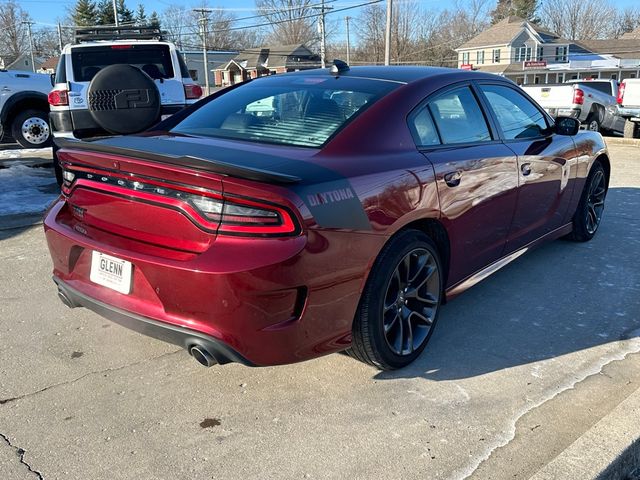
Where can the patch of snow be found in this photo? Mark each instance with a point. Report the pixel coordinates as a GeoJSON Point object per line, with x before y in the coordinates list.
{"type": "Point", "coordinates": [26, 190]}
{"type": "Point", "coordinates": [22, 152]}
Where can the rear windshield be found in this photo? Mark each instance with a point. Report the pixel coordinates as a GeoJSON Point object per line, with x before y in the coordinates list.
{"type": "Point", "coordinates": [600, 86]}
{"type": "Point", "coordinates": [290, 110]}
{"type": "Point", "coordinates": [154, 60]}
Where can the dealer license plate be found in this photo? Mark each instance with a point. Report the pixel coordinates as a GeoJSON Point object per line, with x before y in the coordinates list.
{"type": "Point", "coordinates": [111, 272]}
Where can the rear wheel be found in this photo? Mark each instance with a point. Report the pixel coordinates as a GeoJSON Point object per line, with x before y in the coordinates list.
{"type": "Point", "coordinates": [31, 129]}
{"type": "Point", "coordinates": [588, 215]}
{"type": "Point", "coordinates": [400, 304]}
{"type": "Point", "coordinates": [593, 122]}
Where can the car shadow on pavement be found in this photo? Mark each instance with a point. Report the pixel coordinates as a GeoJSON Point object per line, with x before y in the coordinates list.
{"type": "Point", "coordinates": [561, 298]}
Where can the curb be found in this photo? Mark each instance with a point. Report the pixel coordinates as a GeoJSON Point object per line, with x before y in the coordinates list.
{"type": "Point", "coordinates": [609, 450]}
{"type": "Point", "coordinates": [622, 141]}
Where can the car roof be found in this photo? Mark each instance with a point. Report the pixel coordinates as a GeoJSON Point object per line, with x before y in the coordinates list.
{"type": "Point", "coordinates": [401, 74]}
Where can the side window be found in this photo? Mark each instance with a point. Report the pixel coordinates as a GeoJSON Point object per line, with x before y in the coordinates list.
{"type": "Point", "coordinates": [423, 129]}
{"type": "Point", "coordinates": [61, 70]}
{"type": "Point", "coordinates": [517, 116]}
{"type": "Point", "coordinates": [458, 117]}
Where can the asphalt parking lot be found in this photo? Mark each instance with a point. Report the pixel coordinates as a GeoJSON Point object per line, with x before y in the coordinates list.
{"type": "Point", "coordinates": [519, 368]}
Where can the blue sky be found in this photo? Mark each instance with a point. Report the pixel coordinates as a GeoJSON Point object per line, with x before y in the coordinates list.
{"type": "Point", "coordinates": [50, 11]}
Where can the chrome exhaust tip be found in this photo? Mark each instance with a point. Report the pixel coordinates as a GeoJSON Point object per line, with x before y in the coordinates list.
{"type": "Point", "coordinates": [66, 300]}
{"type": "Point", "coordinates": [202, 356]}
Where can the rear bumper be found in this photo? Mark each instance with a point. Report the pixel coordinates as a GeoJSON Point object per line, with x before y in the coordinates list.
{"type": "Point", "coordinates": [81, 124]}
{"type": "Point", "coordinates": [266, 301]}
{"type": "Point", "coordinates": [564, 112]}
{"type": "Point", "coordinates": [176, 335]}
{"type": "Point", "coordinates": [629, 112]}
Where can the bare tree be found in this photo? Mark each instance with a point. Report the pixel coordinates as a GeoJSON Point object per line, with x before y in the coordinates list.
{"type": "Point", "coordinates": [579, 19]}
{"type": "Point", "coordinates": [626, 21]}
{"type": "Point", "coordinates": [177, 22]}
{"type": "Point", "coordinates": [290, 21]}
{"type": "Point", "coordinates": [13, 33]}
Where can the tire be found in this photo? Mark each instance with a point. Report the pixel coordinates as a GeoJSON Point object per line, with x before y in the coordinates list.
{"type": "Point", "coordinates": [593, 122]}
{"type": "Point", "coordinates": [588, 215]}
{"type": "Point", "coordinates": [30, 129]}
{"type": "Point", "coordinates": [122, 99]}
{"type": "Point", "coordinates": [631, 129]}
{"type": "Point", "coordinates": [56, 166]}
{"type": "Point", "coordinates": [380, 334]}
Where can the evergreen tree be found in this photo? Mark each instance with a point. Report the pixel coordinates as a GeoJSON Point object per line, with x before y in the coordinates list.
{"type": "Point", "coordinates": [125, 16]}
{"type": "Point", "coordinates": [141, 16]}
{"type": "Point", "coordinates": [154, 20]}
{"type": "Point", "coordinates": [520, 8]}
{"type": "Point", "coordinates": [84, 13]}
{"type": "Point", "coordinates": [105, 13]}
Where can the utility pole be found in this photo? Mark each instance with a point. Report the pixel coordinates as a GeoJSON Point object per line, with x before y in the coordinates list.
{"type": "Point", "coordinates": [115, 12]}
{"type": "Point", "coordinates": [203, 21]}
{"type": "Point", "coordinates": [323, 33]}
{"type": "Point", "coordinates": [387, 34]}
{"type": "Point", "coordinates": [33, 64]}
{"type": "Point", "coordinates": [60, 37]}
{"type": "Point", "coordinates": [346, 19]}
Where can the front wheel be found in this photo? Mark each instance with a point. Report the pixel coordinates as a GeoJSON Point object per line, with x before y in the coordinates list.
{"type": "Point", "coordinates": [399, 306]}
{"type": "Point", "coordinates": [31, 129]}
{"type": "Point", "coordinates": [588, 215]}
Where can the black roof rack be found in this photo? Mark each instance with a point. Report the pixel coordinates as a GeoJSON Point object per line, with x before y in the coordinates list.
{"type": "Point", "coordinates": [128, 32]}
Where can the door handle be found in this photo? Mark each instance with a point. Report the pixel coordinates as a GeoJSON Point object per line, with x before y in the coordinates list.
{"type": "Point", "coordinates": [453, 178]}
{"type": "Point", "coordinates": [526, 169]}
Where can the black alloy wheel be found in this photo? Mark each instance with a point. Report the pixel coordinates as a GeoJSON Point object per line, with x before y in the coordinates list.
{"type": "Point", "coordinates": [400, 303]}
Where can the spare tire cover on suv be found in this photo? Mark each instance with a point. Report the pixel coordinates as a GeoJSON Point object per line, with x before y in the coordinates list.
{"type": "Point", "coordinates": [122, 99]}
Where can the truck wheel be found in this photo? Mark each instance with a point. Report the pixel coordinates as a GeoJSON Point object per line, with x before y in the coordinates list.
{"type": "Point", "coordinates": [593, 122]}
{"type": "Point", "coordinates": [631, 129]}
{"type": "Point", "coordinates": [31, 129]}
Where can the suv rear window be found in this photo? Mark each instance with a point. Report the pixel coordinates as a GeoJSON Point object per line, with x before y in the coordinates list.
{"type": "Point", "coordinates": [154, 60]}
{"type": "Point", "coordinates": [295, 110]}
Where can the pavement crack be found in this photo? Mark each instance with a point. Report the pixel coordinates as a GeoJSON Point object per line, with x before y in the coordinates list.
{"type": "Point", "coordinates": [20, 452]}
{"type": "Point", "coordinates": [4, 401]}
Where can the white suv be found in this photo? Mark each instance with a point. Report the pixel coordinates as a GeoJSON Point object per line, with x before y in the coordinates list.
{"type": "Point", "coordinates": [117, 80]}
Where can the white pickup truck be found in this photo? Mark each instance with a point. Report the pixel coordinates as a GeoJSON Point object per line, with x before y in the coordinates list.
{"type": "Point", "coordinates": [629, 106]}
{"type": "Point", "coordinates": [593, 102]}
{"type": "Point", "coordinates": [24, 110]}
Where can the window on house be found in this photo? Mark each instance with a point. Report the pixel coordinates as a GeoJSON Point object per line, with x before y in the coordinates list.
{"type": "Point", "coordinates": [465, 58]}
{"type": "Point", "coordinates": [539, 54]}
{"type": "Point", "coordinates": [523, 53]}
{"type": "Point", "coordinates": [561, 54]}
{"type": "Point", "coordinates": [561, 78]}
{"type": "Point", "coordinates": [496, 55]}
{"type": "Point", "coordinates": [480, 57]}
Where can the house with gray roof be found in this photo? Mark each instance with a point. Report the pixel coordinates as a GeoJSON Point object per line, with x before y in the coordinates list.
{"type": "Point", "coordinates": [527, 53]}
{"type": "Point", "coordinates": [268, 60]}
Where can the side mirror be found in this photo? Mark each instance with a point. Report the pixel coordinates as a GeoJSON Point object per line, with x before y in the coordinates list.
{"type": "Point", "coordinates": [567, 126]}
{"type": "Point", "coordinates": [52, 79]}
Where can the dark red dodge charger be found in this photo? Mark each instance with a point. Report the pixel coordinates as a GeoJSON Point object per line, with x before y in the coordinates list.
{"type": "Point", "coordinates": [302, 214]}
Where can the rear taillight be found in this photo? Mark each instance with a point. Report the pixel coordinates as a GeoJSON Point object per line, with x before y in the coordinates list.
{"type": "Point", "coordinates": [225, 214]}
{"type": "Point", "coordinates": [620, 98]}
{"type": "Point", "coordinates": [192, 91]}
{"type": "Point", "coordinates": [240, 216]}
{"type": "Point", "coordinates": [578, 96]}
{"type": "Point", "coordinates": [58, 98]}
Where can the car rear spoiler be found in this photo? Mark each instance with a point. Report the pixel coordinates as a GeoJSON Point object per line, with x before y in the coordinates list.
{"type": "Point", "coordinates": [209, 165]}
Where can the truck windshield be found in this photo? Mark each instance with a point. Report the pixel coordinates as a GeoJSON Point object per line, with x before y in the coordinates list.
{"type": "Point", "coordinates": [290, 110]}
